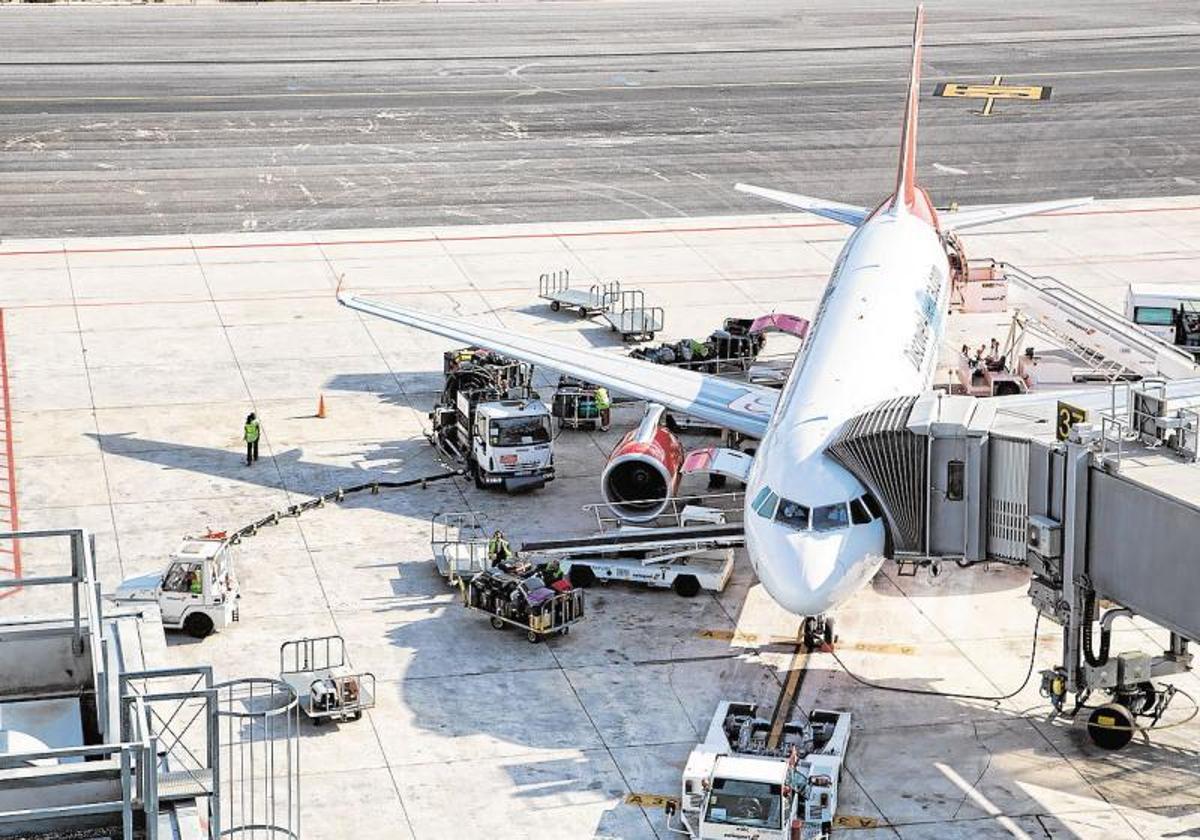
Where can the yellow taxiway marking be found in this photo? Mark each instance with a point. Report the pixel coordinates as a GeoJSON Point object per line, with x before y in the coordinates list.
{"type": "Point", "coordinates": [739, 637]}
{"type": "Point", "coordinates": [649, 800]}
{"type": "Point", "coordinates": [996, 90]}
{"type": "Point", "coordinates": [851, 821]}
{"type": "Point", "coordinates": [783, 708]}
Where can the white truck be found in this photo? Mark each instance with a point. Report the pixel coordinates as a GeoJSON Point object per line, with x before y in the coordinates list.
{"type": "Point", "coordinates": [198, 590]}
{"type": "Point", "coordinates": [740, 785]}
{"type": "Point", "coordinates": [491, 420]}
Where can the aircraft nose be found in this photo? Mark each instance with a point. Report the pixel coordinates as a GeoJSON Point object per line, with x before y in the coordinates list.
{"type": "Point", "coordinates": [809, 573]}
{"type": "Point", "coordinates": [803, 573]}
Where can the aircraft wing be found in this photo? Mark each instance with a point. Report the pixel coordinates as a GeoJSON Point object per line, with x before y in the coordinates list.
{"type": "Point", "coordinates": [740, 406]}
{"type": "Point", "coordinates": [968, 217]}
{"type": "Point", "coordinates": [836, 210]}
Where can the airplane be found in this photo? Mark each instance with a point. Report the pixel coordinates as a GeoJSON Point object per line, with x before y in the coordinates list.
{"type": "Point", "coordinates": [814, 534]}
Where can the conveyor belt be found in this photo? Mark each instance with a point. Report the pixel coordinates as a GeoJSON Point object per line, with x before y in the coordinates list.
{"type": "Point", "coordinates": [633, 539]}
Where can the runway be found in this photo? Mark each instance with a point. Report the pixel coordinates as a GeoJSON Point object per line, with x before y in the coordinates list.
{"type": "Point", "coordinates": [123, 120]}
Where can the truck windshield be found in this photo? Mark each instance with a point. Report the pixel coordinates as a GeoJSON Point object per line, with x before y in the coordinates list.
{"type": "Point", "coordinates": [738, 802]}
{"type": "Point", "coordinates": [519, 431]}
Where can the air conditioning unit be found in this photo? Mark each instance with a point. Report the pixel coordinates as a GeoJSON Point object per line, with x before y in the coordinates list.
{"type": "Point", "coordinates": [1044, 536]}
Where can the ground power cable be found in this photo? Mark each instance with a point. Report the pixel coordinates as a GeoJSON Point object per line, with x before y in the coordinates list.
{"type": "Point", "coordinates": [929, 692]}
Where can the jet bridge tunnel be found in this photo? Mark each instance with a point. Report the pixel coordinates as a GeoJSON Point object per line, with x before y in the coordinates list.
{"type": "Point", "coordinates": [1110, 514]}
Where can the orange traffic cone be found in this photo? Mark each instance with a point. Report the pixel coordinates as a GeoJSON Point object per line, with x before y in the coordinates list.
{"type": "Point", "coordinates": [321, 407]}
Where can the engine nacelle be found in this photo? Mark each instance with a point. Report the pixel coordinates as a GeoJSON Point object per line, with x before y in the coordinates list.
{"type": "Point", "coordinates": [643, 470]}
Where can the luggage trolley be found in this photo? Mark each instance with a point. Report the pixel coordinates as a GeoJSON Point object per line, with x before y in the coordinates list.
{"type": "Point", "coordinates": [513, 601]}
{"type": "Point", "coordinates": [316, 670]}
{"type": "Point", "coordinates": [556, 287]}
{"type": "Point", "coordinates": [629, 315]}
{"type": "Point", "coordinates": [574, 404]}
{"type": "Point", "coordinates": [460, 544]}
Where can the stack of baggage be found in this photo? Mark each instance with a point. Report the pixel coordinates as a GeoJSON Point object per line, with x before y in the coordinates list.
{"type": "Point", "coordinates": [518, 591]}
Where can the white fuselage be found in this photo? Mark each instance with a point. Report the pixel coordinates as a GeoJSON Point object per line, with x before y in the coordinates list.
{"type": "Point", "coordinates": [876, 335]}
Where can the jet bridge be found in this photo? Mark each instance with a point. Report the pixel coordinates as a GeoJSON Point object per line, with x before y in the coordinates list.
{"type": "Point", "coordinates": [1100, 511]}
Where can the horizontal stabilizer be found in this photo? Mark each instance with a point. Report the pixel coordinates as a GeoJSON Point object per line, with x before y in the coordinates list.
{"type": "Point", "coordinates": [969, 217]}
{"type": "Point", "coordinates": [845, 213]}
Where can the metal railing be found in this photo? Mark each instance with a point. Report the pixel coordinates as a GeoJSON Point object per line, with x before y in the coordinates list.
{"type": "Point", "coordinates": [731, 504]}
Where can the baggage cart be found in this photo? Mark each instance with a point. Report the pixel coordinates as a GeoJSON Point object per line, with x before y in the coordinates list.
{"type": "Point", "coordinates": [556, 288]}
{"type": "Point", "coordinates": [316, 670]}
{"type": "Point", "coordinates": [459, 544]}
{"type": "Point", "coordinates": [510, 601]}
{"type": "Point", "coordinates": [574, 404]}
{"type": "Point", "coordinates": [629, 315]}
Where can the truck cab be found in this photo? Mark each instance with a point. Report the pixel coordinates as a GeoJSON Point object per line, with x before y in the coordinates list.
{"type": "Point", "coordinates": [196, 592]}
{"type": "Point", "coordinates": [512, 445]}
{"type": "Point", "coordinates": [748, 798]}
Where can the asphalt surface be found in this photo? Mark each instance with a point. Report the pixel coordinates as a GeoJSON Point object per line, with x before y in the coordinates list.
{"type": "Point", "coordinates": [169, 119]}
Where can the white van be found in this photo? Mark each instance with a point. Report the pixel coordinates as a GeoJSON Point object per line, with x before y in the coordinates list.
{"type": "Point", "coordinates": [1169, 311]}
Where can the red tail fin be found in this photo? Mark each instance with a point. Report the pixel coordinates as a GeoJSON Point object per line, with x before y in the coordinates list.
{"type": "Point", "coordinates": [907, 195]}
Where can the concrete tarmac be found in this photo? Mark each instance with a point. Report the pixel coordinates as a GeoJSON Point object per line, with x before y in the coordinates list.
{"type": "Point", "coordinates": [131, 363]}
{"type": "Point", "coordinates": [135, 120]}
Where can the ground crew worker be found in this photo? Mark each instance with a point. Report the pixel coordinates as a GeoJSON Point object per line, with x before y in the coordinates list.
{"type": "Point", "coordinates": [498, 548]}
{"type": "Point", "coordinates": [195, 585]}
{"type": "Point", "coordinates": [251, 434]}
{"type": "Point", "coordinates": [552, 572]}
{"type": "Point", "coordinates": [604, 404]}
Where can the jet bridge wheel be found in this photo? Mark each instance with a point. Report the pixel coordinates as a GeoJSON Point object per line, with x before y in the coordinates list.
{"type": "Point", "coordinates": [1110, 726]}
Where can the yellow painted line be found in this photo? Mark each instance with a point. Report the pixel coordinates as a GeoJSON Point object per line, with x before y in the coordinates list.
{"type": "Point", "coordinates": [851, 821]}
{"type": "Point", "coordinates": [649, 800]}
{"type": "Point", "coordinates": [880, 647]}
{"type": "Point", "coordinates": [992, 91]}
{"type": "Point", "coordinates": [754, 639]}
{"type": "Point", "coordinates": [796, 668]}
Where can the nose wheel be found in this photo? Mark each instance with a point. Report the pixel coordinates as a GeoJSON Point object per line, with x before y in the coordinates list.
{"type": "Point", "coordinates": [818, 631]}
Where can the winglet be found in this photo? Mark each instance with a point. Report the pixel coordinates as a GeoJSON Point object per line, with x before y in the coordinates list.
{"type": "Point", "coordinates": [906, 186]}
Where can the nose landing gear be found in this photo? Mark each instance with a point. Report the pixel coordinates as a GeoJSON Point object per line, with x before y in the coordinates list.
{"type": "Point", "coordinates": [818, 630]}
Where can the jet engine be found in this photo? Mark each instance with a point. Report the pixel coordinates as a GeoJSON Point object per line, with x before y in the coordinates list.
{"type": "Point", "coordinates": [643, 470]}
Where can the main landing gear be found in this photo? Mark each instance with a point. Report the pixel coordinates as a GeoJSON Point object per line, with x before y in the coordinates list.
{"type": "Point", "coordinates": [818, 631]}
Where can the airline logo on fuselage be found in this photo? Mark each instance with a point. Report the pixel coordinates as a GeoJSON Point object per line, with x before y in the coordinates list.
{"type": "Point", "coordinates": [927, 318]}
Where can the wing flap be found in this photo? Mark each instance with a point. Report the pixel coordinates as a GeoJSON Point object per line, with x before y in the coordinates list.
{"type": "Point", "coordinates": [740, 406]}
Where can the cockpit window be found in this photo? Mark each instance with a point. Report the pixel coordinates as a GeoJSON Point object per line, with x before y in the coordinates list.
{"type": "Point", "coordinates": [859, 514]}
{"type": "Point", "coordinates": [765, 502]}
{"type": "Point", "coordinates": [792, 514]}
{"type": "Point", "coordinates": [873, 505]}
{"type": "Point", "coordinates": [831, 517]}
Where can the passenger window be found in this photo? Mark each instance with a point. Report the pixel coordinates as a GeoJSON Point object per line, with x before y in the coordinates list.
{"type": "Point", "coordinates": [831, 517]}
{"type": "Point", "coordinates": [859, 514]}
{"type": "Point", "coordinates": [873, 506]}
{"type": "Point", "coordinates": [792, 514]}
